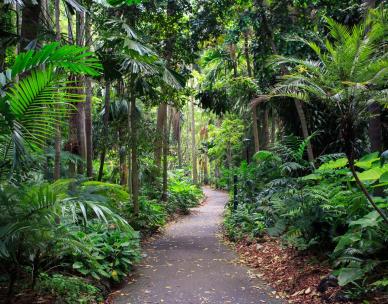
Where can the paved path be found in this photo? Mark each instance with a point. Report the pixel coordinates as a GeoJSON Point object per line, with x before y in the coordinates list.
{"type": "Point", "coordinates": [189, 265]}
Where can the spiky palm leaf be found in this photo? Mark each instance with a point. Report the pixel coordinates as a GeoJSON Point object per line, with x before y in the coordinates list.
{"type": "Point", "coordinates": [351, 68]}
{"type": "Point", "coordinates": [31, 107]}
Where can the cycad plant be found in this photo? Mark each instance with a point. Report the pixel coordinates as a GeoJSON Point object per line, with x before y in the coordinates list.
{"type": "Point", "coordinates": [350, 72]}
{"type": "Point", "coordinates": [35, 95]}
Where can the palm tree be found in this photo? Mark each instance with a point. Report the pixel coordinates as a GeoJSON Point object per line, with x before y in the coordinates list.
{"type": "Point", "coordinates": [350, 72]}
{"type": "Point", "coordinates": [31, 108]}
{"type": "Point", "coordinates": [141, 68]}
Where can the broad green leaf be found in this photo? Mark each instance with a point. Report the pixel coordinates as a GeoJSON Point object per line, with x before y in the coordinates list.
{"type": "Point", "coordinates": [351, 274]}
{"type": "Point", "coordinates": [372, 174]}
{"type": "Point", "coordinates": [334, 164]}
{"type": "Point", "coordinates": [384, 177]}
{"type": "Point", "coordinates": [346, 240]}
{"type": "Point", "coordinates": [78, 265]}
{"type": "Point", "coordinates": [368, 161]}
{"type": "Point", "coordinates": [263, 155]}
{"type": "Point", "coordinates": [369, 220]}
{"type": "Point", "coordinates": [312, 176]}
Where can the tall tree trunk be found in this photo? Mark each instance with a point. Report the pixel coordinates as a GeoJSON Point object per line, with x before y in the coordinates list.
{"type": "Point", "coordinates": [273, 126]}
{"type": "Point", "coordinates": [30, 22]}
{"type": "Point", "coordinates": [88, 107]}
{"type": "Point", "coordinates": [233, 56]}
{"type": "Point", "coordinates": [129, 151]}
{"type": "Point", "coordinates": [298, 105]}
{"type": "Point", "coordinates": [122, 160]}
{"type": "Point", "coordinates": [206, 160]}
{"type": "Point", "coordinates": [166, 135]}
{"type": "Point", "coordinates": [106, 130]}
{"type": "Point", "coordinates": [305, 132]}
{"type": "Point", "coordinates": [81, 128]}
{"type": "Point", "coordinates": [179, 140]}
{"type": "Point", "coordinates": [266, 127]}
{"type": "Point", "coordinates": [188, 127]}
{"type": "Point", "coordinates": [246, 53]}
{"type": "Point", "coordinates": [255, 129]}
{"type": "Point", "coordinates": [135, 169]}
{"type": "Point", "coordinates": [58, 137]}
{"type": "Point", "coordinates": [161, 116]}
{"type": "Point", "coordinates": [193, 145]}
{"type": "Point", "coordinates": [72, 145]}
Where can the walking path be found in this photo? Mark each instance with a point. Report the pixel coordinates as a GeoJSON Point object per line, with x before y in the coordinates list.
{"type": "Point", "coordinates": [189, 265]}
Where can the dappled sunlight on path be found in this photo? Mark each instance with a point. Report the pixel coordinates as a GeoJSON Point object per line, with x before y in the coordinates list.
{"type": "Point", "coordinates": [189, 264]}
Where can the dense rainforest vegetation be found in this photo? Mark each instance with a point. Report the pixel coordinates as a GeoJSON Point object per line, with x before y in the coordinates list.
{"type": "Point", "coordinates": [113, 113]}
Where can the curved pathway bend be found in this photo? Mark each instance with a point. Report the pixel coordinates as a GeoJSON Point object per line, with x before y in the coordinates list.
{"type": "Point", "coordinates": [189, 265]}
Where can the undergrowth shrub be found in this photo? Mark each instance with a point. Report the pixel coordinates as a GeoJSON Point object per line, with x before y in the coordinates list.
{"type": "Point", "coordinates": [183, 194]}
{"type": "Point", "coordinates": [320, 210]}
{"type": "Point", "coordinates": [152, 215]}
{"type": "Point", "coordinates": [107, 252]}
{"type": "Point", "coordinates": [244, 223]}
{"type": "Point", "coordinates": [68, 289]}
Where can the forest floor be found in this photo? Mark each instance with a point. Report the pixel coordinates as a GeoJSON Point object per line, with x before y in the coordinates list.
{"type": "Point", "coordinates": [190, 264]}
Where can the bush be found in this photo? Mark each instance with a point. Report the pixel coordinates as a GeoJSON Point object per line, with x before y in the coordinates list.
{"type": "Point", "coordinates": [108, 252]}
{"type": "Point", "coordinates": [151, 217]}
{"type": "Point", "coordinates": [182, 196]}
{"type": "Point", "coordinates": [244, 223]}
{"type": "Point", "coordinates": [319, 209]}
{"type": "Point", "coordinates": [68, 289]}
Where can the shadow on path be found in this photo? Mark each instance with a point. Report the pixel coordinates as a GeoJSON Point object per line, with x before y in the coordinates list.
{"type": "Point", "coordinates": [188, 264]}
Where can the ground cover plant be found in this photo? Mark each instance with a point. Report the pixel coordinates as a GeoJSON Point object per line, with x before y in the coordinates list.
{"type": "Point", "coordinates": [321, 211]}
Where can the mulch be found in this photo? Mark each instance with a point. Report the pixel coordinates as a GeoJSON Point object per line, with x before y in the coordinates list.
{"type": "Point", "coordinates": [292, 274]}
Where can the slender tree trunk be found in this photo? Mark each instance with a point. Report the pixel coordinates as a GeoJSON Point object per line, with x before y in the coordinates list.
{"type": "Point", "coordinates": [216, 173]}
{"type": "Point", "coordinates": [72, 145]}
{"type": "Point", "coordinates": [179, 142]}
{"type": "Point", "coordinates": [188, 126]}
{"type": "Point", "coordinates": [246, 53]}
{"type": "Point", "coordinates": [206, 160]}
{"type": "Point", "coordinates": [298, 105]}
{"type": "Point", "coordinates": [30, 22]}
{"type": "Point", "coordinates": [364, 190]}
{"type": "Point", "coordinates": [80, 124]}
{"type": "Point", "coordinates": [255, 128]}
{"type": "Point", "coordinates": [58, 137]}
{"type": "Point", "coordinates": [106, 130]}
{"type": "Point", "coordinates": [193, 145]}
{"type": "Point", "coordinates": [130, 143]}
{"type": "Point", "coordinates": [166, 137]}
{"type": "Point", "coordinates": [122, 161]}
{"type": "Point", "coordinates": [88, 107]}
{"type": "Point", "coordinates": [161, 116]}
{"type": "Point", "coordinates": [266, 126]}
{"type": "Point", "coordinates": [305, 132]}
{"type": "Point", "coordinates": [273, 126]}
{"type": "Point", "coordinates": [135, 169]}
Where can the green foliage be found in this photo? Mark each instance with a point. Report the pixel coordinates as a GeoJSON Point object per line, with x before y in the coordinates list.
{"type": "Point", "coordinates": [226, 142]}
{"type": "Point", "coordinates": [244, 223]}
{"type": "Point", "coordinates": [110, 253]}
{"type": "Point", "coordinates": [183, 195]}
{"type": "Point", "coordinates": [31, 108]}
{"type": "Point", "coordinates": [68, 289]}
{"type": "Point", "coordinates": [360, 252]}
{"type": "Point", "coordinates": [317, 210]}
{"type": "Point", "coordinates": [152, 215]}
{"type": "Point", "coordinates": [68, 224]}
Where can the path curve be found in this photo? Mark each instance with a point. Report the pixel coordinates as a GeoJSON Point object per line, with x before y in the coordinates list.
{"type": "Point", "coordinates": [188, 264]}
